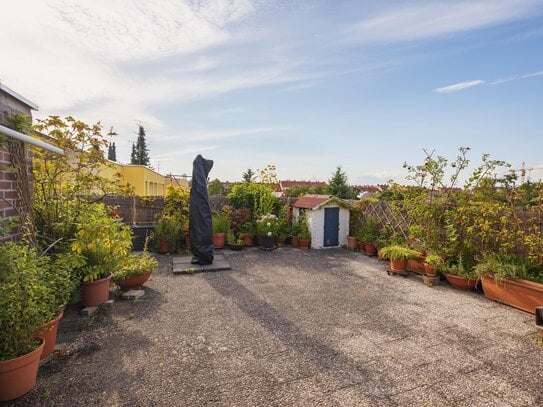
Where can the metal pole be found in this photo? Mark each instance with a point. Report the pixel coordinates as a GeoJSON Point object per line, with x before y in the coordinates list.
{"type": "Point", "coordinates": [30, 140]}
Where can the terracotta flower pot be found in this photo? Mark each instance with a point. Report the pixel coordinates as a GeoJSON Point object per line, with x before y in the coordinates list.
{"type": "Point", "coordinates": [370, 249]}
{"type": "Point", "coordinates": [464, 284]}
{"type": "Point", "coordinates": [117, 214]}
{"type": "Point", "coordinates": [398, 265]}
{"type": "Point", "coordinates": [304, 243]}
{"type": "Point", "coordinates": [429, 270]}
{"type": "Point", "coordinates": [361, 246]}
{"type": "Point", "coordinates": [295, 241]}
{"type": "Point", "coordinates": [416, 266]}
{"type": "Point", "coordinates": [18, 376]}
{"type": "Point", "coordinates": [351, 242]}
{"type": "Point", "coordinates": [48, 332]}
{"type": "Point", "coordinates": [247, 239]}
{"type": "Point", "coordinates": [164, 246]}
{"type": "Point", "coordinates": [96, 292]}
{"type": "Point", "coordinates": [134, 282]}
{"type": "Point", "coordinates": [522, 294]}
{"type": "Point", "coordinates": [219, 240]}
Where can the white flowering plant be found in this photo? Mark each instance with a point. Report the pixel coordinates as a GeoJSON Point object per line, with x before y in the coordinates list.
{"type": "Point", "coordinates": [267, 225]}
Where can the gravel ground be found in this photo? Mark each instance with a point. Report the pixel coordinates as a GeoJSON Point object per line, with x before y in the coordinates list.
{"type": "Point", "coordinates": [292, 327]}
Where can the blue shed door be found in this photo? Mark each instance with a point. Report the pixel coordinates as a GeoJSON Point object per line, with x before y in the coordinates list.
{"type": "Point", "coordinates": [331, 227]}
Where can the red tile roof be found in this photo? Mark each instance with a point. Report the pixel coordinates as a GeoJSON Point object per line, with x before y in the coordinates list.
{"type": "Point", "coordinates": [311, 201]}
{"type": "Point", "coordinates": [290, 184]}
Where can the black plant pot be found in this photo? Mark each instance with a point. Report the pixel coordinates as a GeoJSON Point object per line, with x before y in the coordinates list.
{"type": "Point", "coordinates": [268, 242]}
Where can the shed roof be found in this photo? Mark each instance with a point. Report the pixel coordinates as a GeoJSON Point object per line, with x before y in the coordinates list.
{"type": "Point", "coordinates": [311, 201]}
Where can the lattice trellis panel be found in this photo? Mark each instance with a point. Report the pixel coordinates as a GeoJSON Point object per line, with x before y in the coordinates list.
{"type": "Point", "coordinates": [399, 222]}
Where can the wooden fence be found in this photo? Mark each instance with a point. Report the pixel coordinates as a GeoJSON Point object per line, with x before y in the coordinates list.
{"type": "Point", "coordinates": [145, 210]}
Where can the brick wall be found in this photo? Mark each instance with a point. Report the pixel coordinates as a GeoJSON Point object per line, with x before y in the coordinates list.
{"type": "Point", "coordinates": [8, 189]}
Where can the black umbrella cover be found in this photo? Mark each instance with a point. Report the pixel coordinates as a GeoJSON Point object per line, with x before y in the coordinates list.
{"type": "Point", "coordinates": [200, 227]}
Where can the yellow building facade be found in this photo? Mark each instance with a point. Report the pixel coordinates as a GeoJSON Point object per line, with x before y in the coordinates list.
{"type": "Point", "coordinates": [146, 182]}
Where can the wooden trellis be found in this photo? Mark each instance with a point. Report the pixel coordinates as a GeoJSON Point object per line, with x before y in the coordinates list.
{"type": "Point", "coordinates": [381, 211]}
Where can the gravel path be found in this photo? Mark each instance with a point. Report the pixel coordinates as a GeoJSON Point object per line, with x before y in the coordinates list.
{"type": "Point", "coordinates": [293, 327]}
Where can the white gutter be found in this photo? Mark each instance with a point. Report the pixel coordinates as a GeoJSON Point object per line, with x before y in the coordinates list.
{"type": "Point", "coordinates": [30, 140]}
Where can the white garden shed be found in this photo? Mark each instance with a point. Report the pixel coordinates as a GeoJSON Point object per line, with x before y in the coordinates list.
{"type": "Point", "coordinates": [327, 219]}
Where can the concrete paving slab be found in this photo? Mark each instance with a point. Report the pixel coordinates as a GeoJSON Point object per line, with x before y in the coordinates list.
{"type": "Point", "coordinates": [182, 265]}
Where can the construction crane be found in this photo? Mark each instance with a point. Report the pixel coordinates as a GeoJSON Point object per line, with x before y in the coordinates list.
{"type": "Point", "coordinates": [523, 170]}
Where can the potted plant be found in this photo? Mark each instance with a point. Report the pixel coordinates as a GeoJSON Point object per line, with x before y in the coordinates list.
{"type": "Point", "coordinates": [23, 295]}
{"type": "Point", "coordinates": [104, 243]}
{"type": "Point", "coordinates": [398, 256]}
{"type": "Point", "coordinates": [512, 281]}
{"type": "Point", "coordinates": [116, 213]}
{"type": "Point", "coordinates": [352, 242]}
{"type": "Point", "coordinates": [221, 226]}
{"type": "Point", "coordinates": [432, 264]}
{"type": "Point", "coordinates": [267, 227]}
{"type": "Point", "coordinates": [370, 229]}
{"type": "Point", "coordinates": [61, 281]}
{"type": "Point", "coordinates": [167, 234]}
{"type": "Point", "coordinates": [294, 232]}
{"type": "Point", "coordinates": [235, 243]}
{"type": "Point", "coordinates": [247, 232]}
{"type": "Point", "coordinates": [360, 238]}
{"type": "Point", "coordinates": [304, 236]}
{"type": "Point", "coordinates": [460, 275]}
{"type": "Point", "coordinates": [135, 270]}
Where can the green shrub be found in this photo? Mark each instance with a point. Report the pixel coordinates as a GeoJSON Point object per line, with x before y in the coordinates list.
{"type": "Point", "coordinates": [508, 266]}
{"type": "Point", "coordinates": [169, 229]}
{"type": "Point", "coordinates": [33, 289]}
{"type": "Point", "coordinates": [135, 265]}
{"type": "Point", "coordinates": [103, 241]}
{"type": "Point", "coordinates": [221, 223]}
{"type": "Point", "coordinates": [399, 253]}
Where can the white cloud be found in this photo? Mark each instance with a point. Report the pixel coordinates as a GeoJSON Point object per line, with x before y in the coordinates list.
{"type": "Point", "coordinates": [418, 21]}
{"type": "Point", "coordinates": [459, 86]}
{"type": "Point", "coordinates": [517, 77]}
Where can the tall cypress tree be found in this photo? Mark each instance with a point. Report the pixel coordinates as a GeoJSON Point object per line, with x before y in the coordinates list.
{"type": "Point", "coordinates": [140, 152]}
{"type": "Point", "coordinates": [133, 155]}
{"type": "Point", "coordinates": [112, 152]}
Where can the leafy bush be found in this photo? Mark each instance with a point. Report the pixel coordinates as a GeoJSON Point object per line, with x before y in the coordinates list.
{"type": "Point", "coordinates": [32, 290]}
{"type": "Point", "coordinates": [369, 231]}
{"type": "Point", "coordinates": [257, 198]}
{"type": "Point", "coordinates": [102, 241]}
{"type": "Point", "coordinates": [503, 266]}
{"type": "Point", "coordinates": [435, 261]}
{"type": "Point", "coordinates": [304, 232]}
{"type": "Point", "coordinates": [176, 205]}
{"type": "Point", "coordinates": [135, 265]}
{"type": "Point", "coordinates": [461, 267]}
{"type": "Point", "coordinates": [64, 184]}
{"type": "Point", "coordinates": [169, 229]}
{"type": "Point", "coordinates": [221, 223]}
